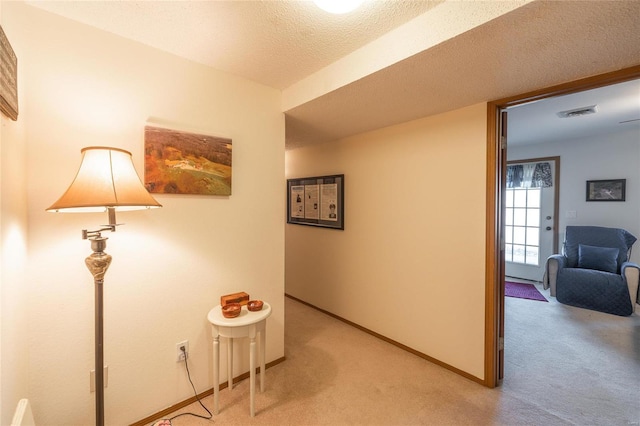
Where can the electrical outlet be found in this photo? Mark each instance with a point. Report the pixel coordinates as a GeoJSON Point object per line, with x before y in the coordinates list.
{"type": "Point", "coordinates": [92, 378]}
{"type": "Point", "coordinates": [180, 356]}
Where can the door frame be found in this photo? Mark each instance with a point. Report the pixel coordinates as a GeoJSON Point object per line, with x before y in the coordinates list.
{"type": "Point", "coordinates": [496, 182]}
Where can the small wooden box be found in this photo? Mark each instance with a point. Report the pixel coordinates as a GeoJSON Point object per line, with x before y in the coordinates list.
{"type": "Point", "coordinates": [241, 298]}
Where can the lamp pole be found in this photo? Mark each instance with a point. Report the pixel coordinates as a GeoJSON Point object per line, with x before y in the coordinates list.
{"type": "Point", "coordinates": [98, 263]}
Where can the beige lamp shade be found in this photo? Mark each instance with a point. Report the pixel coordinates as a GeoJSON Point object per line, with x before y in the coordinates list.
{"type": "Point", "coordinates": [106, 178]}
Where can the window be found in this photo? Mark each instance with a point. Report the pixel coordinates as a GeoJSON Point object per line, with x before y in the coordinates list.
{"type": "Point", "coordinates": [522, 226]}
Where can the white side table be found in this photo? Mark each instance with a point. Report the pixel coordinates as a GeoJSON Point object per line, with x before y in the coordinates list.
{"type": "Point", "coordinates": [247, 324]}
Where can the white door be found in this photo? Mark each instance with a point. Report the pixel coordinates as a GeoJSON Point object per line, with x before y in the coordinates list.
{"type": "Point", "coordinates": [530, 225]}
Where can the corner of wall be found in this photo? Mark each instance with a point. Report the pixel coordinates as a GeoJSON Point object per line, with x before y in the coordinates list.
{"type": "Point", "coordinates": [14, 349]}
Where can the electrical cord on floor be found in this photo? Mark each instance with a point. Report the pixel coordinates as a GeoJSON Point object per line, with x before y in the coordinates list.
{"type": "Point", "coordinates": [167, 422]}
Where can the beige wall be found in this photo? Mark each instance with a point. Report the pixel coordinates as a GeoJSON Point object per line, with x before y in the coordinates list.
{"type": "Point", "coordinates": [86, 87]}
{"type": "Point", "coordinates": [410, 262]}
{"type": "Point", "coordinates": [14, 320]}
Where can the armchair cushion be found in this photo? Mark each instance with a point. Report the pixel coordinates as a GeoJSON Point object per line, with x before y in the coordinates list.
{"type": "Point", "coordinates": [597, 290]}
{"type": "Point", "coordinates": [599, 237]}
{"type": "Point", "coordinates": [600, 258]}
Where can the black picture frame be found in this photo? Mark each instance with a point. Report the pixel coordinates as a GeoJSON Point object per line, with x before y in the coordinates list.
{"type": "Point", "coordinates": [316, 201]}
{"type": "Point", "coordinates": [606, 190]}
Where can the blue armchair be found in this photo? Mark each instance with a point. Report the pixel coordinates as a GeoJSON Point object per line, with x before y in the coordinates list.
{"type": "Point", "coordinates": [594, 271]}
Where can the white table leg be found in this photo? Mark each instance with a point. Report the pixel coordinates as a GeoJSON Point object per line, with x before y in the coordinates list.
{"type": "Point", "coordinates": [263, 344]}
{"type": "Point", "coordinates": [252, 375]}
{"type": "Point", "coordinates": [216, 372]}
{"type": "Point", "coordinates": [230, 363]}
{"type": "Point", "coordinates": [247, 325]}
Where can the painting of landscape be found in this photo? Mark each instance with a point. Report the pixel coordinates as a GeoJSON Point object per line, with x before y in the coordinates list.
{"type": "Point", "coordinates": [177, 162]}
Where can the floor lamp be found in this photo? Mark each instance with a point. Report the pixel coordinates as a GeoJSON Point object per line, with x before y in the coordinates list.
{"type": "Point", "coordinates": [106, 181]}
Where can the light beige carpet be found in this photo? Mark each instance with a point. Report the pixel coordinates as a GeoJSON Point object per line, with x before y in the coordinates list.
{"type": "Point", "coordinates": [564, 366]}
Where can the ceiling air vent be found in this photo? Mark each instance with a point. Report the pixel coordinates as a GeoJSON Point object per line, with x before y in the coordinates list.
{"type": "Point", "coordinates": [578, 112]}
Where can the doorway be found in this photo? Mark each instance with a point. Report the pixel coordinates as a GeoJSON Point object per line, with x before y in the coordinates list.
{"type": "Point", "coordinates": [496, 207]}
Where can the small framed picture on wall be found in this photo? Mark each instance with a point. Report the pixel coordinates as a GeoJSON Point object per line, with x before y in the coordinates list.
{"type": "Point", "coordinates": [316, 201]}
{"type": "Point", "coordinates": [8, 78]}
{"type": "Point", "coordinates": [606, 190]}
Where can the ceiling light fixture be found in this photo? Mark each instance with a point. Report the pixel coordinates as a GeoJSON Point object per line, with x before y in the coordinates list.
{"type": "Point", "coordinates": [338, 6]}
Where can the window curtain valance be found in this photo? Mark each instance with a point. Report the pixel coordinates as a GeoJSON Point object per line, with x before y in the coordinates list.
{"type": "Point", "coordinates": [529, 175]}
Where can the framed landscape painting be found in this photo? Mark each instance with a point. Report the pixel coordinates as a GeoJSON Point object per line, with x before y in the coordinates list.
{"type": "Point", "coordinates": [177, 162]}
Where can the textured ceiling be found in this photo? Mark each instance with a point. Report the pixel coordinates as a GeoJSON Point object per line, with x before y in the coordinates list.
{"type": "Point", "coordinates": [539, 45]}
{"type": "Point", "coordinates": [617, 110]}
{"type": "Point", "coordinates": [279, 43]}
{"type": "Point", "coordinates": [276, 43]}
